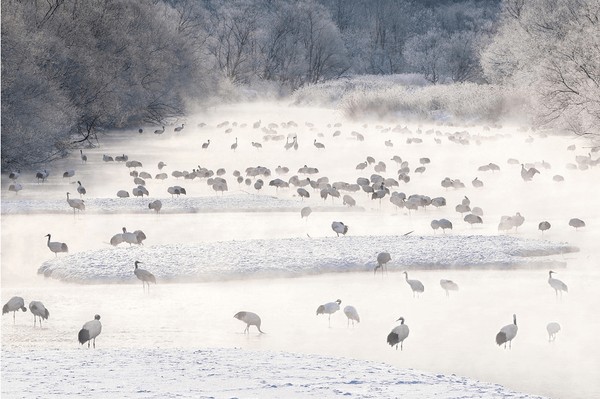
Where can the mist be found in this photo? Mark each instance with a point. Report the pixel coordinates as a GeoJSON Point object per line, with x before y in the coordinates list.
{"type": "Point", "coordinates": [449, 335]}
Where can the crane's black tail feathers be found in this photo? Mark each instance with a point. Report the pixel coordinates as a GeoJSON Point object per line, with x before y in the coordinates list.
{"type": "Point", "coordinates": [501, 338]}
{"type": "Point", "coordinates": [321, 309]}
{"type": "Point", "coordinates": [84, 336]}
{"type": "Point", "coordinates": [392, 339]}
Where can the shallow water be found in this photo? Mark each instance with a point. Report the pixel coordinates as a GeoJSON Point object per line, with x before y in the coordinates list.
{"type": "Point", "coordinates": [448, 335]}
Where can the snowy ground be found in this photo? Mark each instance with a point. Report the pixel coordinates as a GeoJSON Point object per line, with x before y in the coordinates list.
{"type": "Point", "coordinates": [298, 256]}
{"type": "Point", "coordinates": [224, 373]}
{"type": "Point", "coordinates": [249, 234]}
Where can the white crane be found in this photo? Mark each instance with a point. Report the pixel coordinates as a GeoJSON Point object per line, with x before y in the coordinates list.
{"type": "Point", "coordinates": [415, 285]}
{"type": "Point", "coordinates": [507, 333]}
{"type": "Point", "coordinates": [205, 145]}
{"type": "Point", "coordinates": [159, 131]}
{"type": "Point", "coordinates": [448, 285]}
{"type": "Point", "coordinates": [80, 189]}
{"type": "Point", "coordinates": [305, 212]}
{"type": "Point", "coordinates": [178, 128]}
{"type": "Point", "coordinates": [76, 204]}
{"type": "Point", "coordinates": [382, 259]}
{"type": "Point", "coordinates": [144, 275]}
{"type": "Point", "coordinates": [553, 328]}
{"type": "Point", "coordinates": [319, 145]}
{"type": "Point", "coordinates": [135, 237]}
{"type": "Point", "coordinates": [577, 223]}
{"type": "Point", "coordinates": [13, 305]}
{"type": "Point", "coordinates": [90, 331]}
{"type": "Point", "coordinates": [83, 156]}
{"type": "Point", "coordinates": [543, 226]}
{"type": "Point", "coordinates": [329, 308]}
{"type": "Point", "coordinates": [39, 310]}
{"type": "Point", "coordinates": [352, 314]}
{"type": "Point", "coordinates": [339, 228]}
{"type": "Point", "coordinates": [234, 145]}
{"type": "Point", "coordinates": [16, 187]}
{"type": "Point", "coordinates": [251, 319]}
{"type": "Point", "coordinates": [56, 246]}
{"type": "Point", "coordinates": [398, 334]}
{"type": "Point", "coordinates": [556, 284]}
{"type": "Point", "coordinates": [156, 205]}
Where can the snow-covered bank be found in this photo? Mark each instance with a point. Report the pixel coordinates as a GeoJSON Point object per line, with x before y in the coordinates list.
{"type": "Point", "coordinates": [299, 256]}
{"type": "Point", "coordinates": [222, 373]}
{"type": "Point", "coordinates": [181, 204]}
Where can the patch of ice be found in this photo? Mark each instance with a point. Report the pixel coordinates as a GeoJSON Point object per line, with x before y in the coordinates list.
{"type": "Point", "coordinates": [300, 256]}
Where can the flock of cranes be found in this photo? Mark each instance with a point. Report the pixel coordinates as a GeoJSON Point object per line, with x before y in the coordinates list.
{"type": "Point", "coordinates": [376, 186]}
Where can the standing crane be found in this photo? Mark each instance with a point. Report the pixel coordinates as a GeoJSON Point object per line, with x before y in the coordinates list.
{"type": "Point", "coordinates": [329, 308]}
{"type": "Point", "coordinates": [144, 275]}
{"type": "Point", "coordinates": [557, 284]}
{"type": "Point", "coordinates": [90, 331]}
{"type": "Point", "coordinates": [507, 333]}
{"type": "Point", "coordinates": [398, 334]}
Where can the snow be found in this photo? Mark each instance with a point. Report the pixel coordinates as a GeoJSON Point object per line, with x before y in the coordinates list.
{"type": "Point", "coordinates": [222, 373]}
{"type": "Point", "coordinates": [297, 256]}
{"type": "Point", "coordinates": [181, 204]}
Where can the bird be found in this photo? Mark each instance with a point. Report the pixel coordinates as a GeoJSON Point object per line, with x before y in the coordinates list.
{"type": "Point", "coordinates": [472, 219]}
{"type": "Point", "coordinates": [76, 204]}
{"type": "Point", "coordinates": [16, 187]}
{"type": "Point", "coordinates": [13, 305]}
{"type": "Point", "coordinates": [178, 128]}
{"type": "Point", "coordinates": [318, 145]}
{"type": "Point", "coordinates": [205, 145]}
{"type": "Point", "coordinates": [39, 310]}
{"type": "Point", "coordinates": [251, 319]}
{"type": "Point", "coordinates": [477, 183]}
{"type": "Point", "coordinates": [234, 145]}
{"type": "Point", "coordinates": [107, 158]}
{"type": "Point", "coordinates": [507, 333]}
{"type": "Point", "coordinates": [577, 223]}
{"type": "Point", "coordinates": [56, 246]}
{"type": "Point", "coordinates": [122, 194]}
{"type": "Point", "coordinates": [14, 175]}
{"type": "Point", "coordinates": [415, 285]}
{"type": "Point", "coordinates": [398, 334]}
{"type": "Point", "coordinates": [159, 131]}
{"type": "Point", "coordinates": [339, 228]}
{"type": "Point", "coordinates": [382, 259]}
{"type": "Point", "coordinates": [256, 145]}
{"type": "Point", "coordinates": [556, 284]}
{"type": "Point", "coordinates": [161, 165]}
{"type": "Point", "coordinates": [303, 193]}
{"type": "Point", "coordinates": [448, 285]}
{"type": "Point", "coordinates": [329, 308]}
{"type": "Point", "coordinates": [517, 220]}
{"type": "Point", "coordinates": [553, 328]}
{"type": "Point", "coordinates": [83, 156]}
{"type": "Point", "coordinates": [69, 173]}
{"type": "Point", "coordinates": [156, 205]}
{"type": "Point", "coordinates": [527, 174]}
{"type": "Point", "coordinates": [305, 212]}
{"type": "Point", "coordinates": [135, 237]}
{"type": "Point", "coordinates": [543, 226]}
{"type": "Point", "coordinates": [42, 175]}
{"type": "Point", "coordinates": [90, 331]}
{"type": "Point", "coordinates": [352, 314]}
{"type": "Point", "coordinates": [80, 189]}
{"type": "Point", "coordinates": [144, 275]}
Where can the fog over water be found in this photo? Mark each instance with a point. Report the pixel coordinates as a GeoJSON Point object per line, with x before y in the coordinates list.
{"type": "Point", "coordinates": [447, 335]}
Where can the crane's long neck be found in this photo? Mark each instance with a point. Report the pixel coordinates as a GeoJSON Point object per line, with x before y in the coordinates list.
{"type": "Point", "coordinates": [48, 239]}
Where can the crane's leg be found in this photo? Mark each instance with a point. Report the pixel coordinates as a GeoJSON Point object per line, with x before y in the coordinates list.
{"type": "Point", "coordinates": [402, 345]}
{"type": "Point", "coordinates": [330, 320]}
{"type": "Point", "coordinates": [14, 320]}
{"type": "Point", "coordinates": [88, 343]}
{"type": "Point", "coordinates": [40, 321]}
{"type": "Point", "coordinates": [94, 343]}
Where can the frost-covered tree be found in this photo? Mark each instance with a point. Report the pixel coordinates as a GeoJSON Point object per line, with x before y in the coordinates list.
{"type": "Point", "coordinates": [552, 47]}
